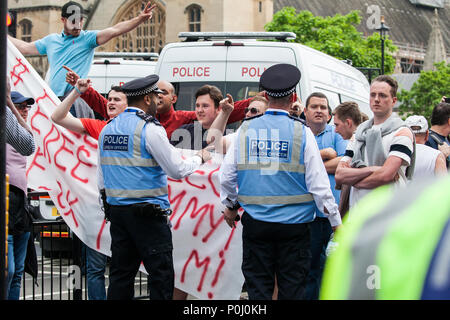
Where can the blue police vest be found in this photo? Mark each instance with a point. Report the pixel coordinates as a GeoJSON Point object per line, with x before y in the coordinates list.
{"type": "Point", "coordinates": [271, 170]}
{"type": "Point", "coordinates": [130, 173]}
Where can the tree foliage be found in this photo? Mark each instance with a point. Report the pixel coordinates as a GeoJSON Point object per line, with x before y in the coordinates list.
{"type": "Point", "coordinates": [426, 92]}
{"type": "Point", "coordinates": [336, 36]}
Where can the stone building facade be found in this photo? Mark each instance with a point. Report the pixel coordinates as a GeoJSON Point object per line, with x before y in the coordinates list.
{"type": "Point", "coordinates": [37, 18]}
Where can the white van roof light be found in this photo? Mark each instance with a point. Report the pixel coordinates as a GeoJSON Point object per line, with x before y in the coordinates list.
{"type": "Point", "coordinates": [145, 55]}
{"type": "Point", "coordinates": [195, 36]}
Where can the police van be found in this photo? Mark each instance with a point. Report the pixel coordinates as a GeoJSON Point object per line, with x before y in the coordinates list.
{"type": "Point", "coordinates": [116, 68]}
{"type": "Point", "coordinates": [235, 61]}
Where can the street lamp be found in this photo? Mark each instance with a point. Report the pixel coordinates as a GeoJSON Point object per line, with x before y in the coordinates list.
{"type": "Point", "coordinates": [383, 30]}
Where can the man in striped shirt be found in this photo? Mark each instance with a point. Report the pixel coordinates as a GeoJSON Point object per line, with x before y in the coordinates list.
{"type": "Point", "coordinates": [383, 149]}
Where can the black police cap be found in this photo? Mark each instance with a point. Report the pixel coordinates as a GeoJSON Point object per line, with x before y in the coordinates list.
{"type": "Point", "coordinates": [280, 80]}
{"type": "Point", "coordinates": [141, 86]}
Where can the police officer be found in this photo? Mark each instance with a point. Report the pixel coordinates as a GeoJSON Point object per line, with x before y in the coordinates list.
{"type": "Point", "coordinates": [276, 165]}
{"type": "Point", "coordinates": [135, 159]}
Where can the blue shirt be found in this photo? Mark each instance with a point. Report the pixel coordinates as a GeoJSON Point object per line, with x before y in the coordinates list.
{"type": "Point", "coordinates": [75, 52]}
{"type": "Point", "coordinates": [329, 138]}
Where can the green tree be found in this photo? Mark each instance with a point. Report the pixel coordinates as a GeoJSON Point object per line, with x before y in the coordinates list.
{"type": "Point", "coordinates": [426, 92]}
{"type": "Point", "coordinates": [336, 36]}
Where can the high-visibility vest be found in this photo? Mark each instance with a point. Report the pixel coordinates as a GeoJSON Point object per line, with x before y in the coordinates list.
{"type": "Point", "coordinates": [395, 246]}
{"type": "Point", "coordinates": [130, 173]}
{"type": "Point", "coordinates": [271, 170]}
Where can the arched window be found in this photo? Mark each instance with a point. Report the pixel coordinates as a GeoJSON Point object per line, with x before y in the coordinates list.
{"type": "Point", "coordinates": [25, 30]}
{"type": "Point", "coordinates": [194, 15]}
{"type": "Point", "coordinates": [148, 36]}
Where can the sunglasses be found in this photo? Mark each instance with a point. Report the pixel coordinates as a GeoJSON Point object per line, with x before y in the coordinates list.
{"type": "Point", "coordinates": [22, 106]}
{"type": "Point", "coordinates": [252, 110]}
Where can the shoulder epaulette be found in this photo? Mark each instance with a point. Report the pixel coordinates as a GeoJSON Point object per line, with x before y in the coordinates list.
{"type": "Point", "coordinates": [255, 117]}
{"type": "Point", "coordinates": [298, 119]}
{"type": "Point", "coordinates": [148, 118]}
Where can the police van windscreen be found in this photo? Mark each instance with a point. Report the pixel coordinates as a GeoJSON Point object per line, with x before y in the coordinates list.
{"type": "Point", "coordinates": [186, 91]}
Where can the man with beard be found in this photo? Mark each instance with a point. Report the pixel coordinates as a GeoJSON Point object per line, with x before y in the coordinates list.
{"type": "Point", "coordinates": [75, 47]}
{"type": "Point", "coordinates": [135, 159]}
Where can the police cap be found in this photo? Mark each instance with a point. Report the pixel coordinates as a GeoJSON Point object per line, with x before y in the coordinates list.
{"type": "Point", "coordinates": [280, 80]}
{"type": "Point", "coordinates": [141, 86]}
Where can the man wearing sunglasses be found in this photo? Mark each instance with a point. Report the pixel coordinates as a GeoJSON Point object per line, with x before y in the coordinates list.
{"type": "Point", "coordinates": [258, 105]}
{"type": "Point", "coordinates": [19, 224]}
{"type": "Point", "coordinates": [22, 104]}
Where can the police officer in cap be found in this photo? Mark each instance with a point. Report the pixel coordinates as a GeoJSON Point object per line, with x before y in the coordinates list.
{"type": "Point", "coordinates": [273, 170]}
{"type": "Point", "coordinates": [135, 158]}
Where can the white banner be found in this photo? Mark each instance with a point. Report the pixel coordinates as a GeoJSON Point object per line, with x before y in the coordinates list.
{"type": "Point", "coordinates": [207, 253]}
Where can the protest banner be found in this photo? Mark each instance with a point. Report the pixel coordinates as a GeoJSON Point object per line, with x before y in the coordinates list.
{"type": "Point", "coordinates": [207, 253]}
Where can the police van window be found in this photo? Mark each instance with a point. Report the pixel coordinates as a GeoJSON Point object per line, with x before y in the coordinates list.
{"type": "Point", "coordinates": [333, 97]}
{"type": "Point", "coordinates": [186, 91]}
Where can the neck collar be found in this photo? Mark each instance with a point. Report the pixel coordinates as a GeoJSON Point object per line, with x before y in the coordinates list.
{"type": "Point", "coordinates": [277, 112]}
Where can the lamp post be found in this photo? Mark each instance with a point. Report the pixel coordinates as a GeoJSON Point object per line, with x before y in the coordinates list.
{"type": "Point", "coordinates": [383, 30]}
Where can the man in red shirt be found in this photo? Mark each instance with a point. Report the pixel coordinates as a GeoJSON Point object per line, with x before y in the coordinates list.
{"type": "Point", "coordinates": [116, 104]}
{"type": "Point", "coordinates": [166, 114]}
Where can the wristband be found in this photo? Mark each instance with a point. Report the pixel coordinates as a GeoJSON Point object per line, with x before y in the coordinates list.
{"type": "Point", "coordinates": [78, 90]}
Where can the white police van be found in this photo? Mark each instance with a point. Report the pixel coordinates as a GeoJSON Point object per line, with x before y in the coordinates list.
{"type": "Point", "coordinates": [116, 68]}
{"type": "Point", "coordinates": [235, 61]}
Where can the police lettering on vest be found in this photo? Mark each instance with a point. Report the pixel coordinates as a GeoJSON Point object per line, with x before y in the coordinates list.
{"type": "Point", "coordinates": [115, 142]}
{"type": "Point", "coordinates": [269, 149]}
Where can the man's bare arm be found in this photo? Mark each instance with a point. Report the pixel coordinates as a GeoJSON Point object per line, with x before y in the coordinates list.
{"type": "Point", "coordinates": [440, 166]}
{"type": "Point", "coordinates": [215, 132]}
{"type": "Point", "coordinates": [24, 47]}
{"type": "Point", "coordinates": [63, 117]}
{"type": "Point", "coordinates": [328, 154]}
{"type": "Point", "coordinates": [331, 165]}
{"type": "Point", "coordinates": [107, 34]}
{"type": "Point", "coordinates": [345, 174]}
{"type": "Point", "coordinates": [385, 175]}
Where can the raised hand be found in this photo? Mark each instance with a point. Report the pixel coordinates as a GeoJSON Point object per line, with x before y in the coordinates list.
{"type": "Point", "coordinates": [83, 85]}
{"type": "Point", "coordinates": [147, 13]}
{"type": "Point", "coordinates": [71, 76]}
{"type": "Point", "coordinates": [227, 104]}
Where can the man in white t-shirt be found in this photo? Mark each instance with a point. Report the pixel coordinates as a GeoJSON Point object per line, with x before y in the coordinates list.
{"type": "Point", "coordinates": [429, 162]}
{"type": "Point", "coordinates": [383, 148]}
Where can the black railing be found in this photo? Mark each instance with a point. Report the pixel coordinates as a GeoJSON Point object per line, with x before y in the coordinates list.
{"type": "Point", "coordinates": [61, 266]}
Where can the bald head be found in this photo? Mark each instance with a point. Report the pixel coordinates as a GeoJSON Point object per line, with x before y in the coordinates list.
{"type": "Point", "coordinates": [167, 98]}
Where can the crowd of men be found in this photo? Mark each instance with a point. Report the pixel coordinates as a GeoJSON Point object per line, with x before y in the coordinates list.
{"type": "Point", "coordinates": [309, 173]}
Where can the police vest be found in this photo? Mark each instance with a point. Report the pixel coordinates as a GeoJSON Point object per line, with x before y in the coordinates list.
{"type": "Point", "coordinates": [395, 246]}
{"type": "Point", "coordinates": [130, 173]}
{"type": "Point", "coordinates": [271, 170]}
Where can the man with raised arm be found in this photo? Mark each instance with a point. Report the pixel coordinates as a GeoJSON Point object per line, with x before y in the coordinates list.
{"type": "Point", "coordinates": [75, 47]}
